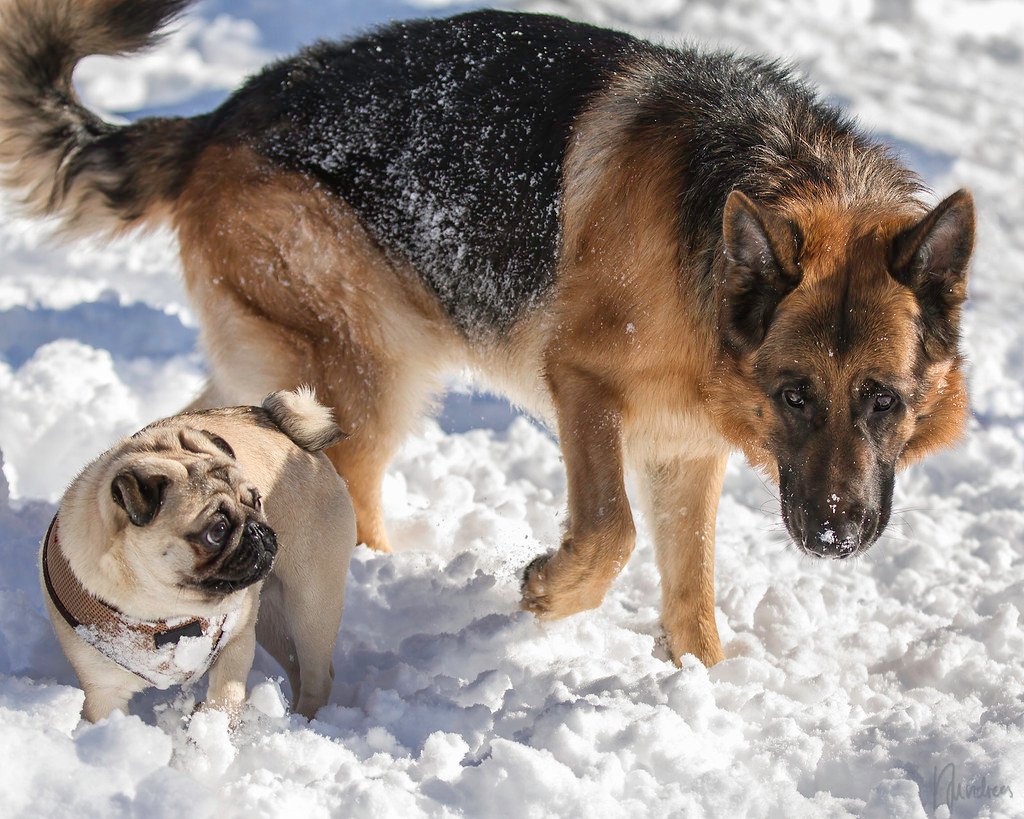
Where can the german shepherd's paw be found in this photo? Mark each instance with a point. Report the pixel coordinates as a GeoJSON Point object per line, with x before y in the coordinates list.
{"type": "Point", "coordinates": [534, 585]}
{"type": "Point", "coordinates": [554, 587]}
{"type": "Point", "coordinates": [705, 647]}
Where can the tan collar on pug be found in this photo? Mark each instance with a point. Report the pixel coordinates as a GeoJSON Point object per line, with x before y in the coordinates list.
{"type": "Point", "coordinates": [155, 650]}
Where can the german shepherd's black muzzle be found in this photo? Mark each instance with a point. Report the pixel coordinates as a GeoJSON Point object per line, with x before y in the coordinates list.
{"type": "Point", "coordinates": [840, 523]}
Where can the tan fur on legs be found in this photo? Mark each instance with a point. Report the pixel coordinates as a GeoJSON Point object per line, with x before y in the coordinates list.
{"type": "Point", "coordinates": [230, 670]}
{"type": "Point", "coordinates": [107, 687]}
{"type": "Point", "coordinates": [600, 534]}
{"type": "Point", "coordinates": [363, 471]}
{"type": "Point", "coordinates": [645, 400]}
{"type": "Point", "coordinates": [682, 498]}
{"type": "Point", "coordinates": [315, 614]}
{"type": "Point", "coordinates": [273, 634]}
{"type": "Point", "coordinates": [305, 603]}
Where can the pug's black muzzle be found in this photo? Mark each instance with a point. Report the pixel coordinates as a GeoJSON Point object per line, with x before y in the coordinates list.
{"type": "Point", "coordinates": [249, 562]}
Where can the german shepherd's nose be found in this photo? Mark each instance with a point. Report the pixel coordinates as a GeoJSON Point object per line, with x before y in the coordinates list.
{"type": "Point", "coordinates": [836, 528]}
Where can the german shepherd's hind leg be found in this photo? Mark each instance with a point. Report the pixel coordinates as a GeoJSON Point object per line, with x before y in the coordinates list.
{"type": "Point", "coordinates": [375, 404]}
{"type": "Point", "coordinates": [389, 406]}
{"type": "Point", "coordinates": [600, 533]}
{"type": "Point", "coordinates": [291, 290]}
{"type": "Point", "coordinates": [682, 499]}
{"type": "Point", "coordinates": [362, 464]}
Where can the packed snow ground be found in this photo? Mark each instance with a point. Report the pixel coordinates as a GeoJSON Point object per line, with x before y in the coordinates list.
{"type": "Point", "coordinates": [850, 688]}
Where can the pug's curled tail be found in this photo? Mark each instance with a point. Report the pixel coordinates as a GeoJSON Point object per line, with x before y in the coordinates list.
{"type": "Point", "coordinates": [303, 419]}
{"type": "Point", "coordinates": [62, 159]}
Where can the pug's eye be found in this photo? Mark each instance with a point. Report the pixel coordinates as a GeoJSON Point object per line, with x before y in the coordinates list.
{"type": "Point", "coordinates": [216, 533]}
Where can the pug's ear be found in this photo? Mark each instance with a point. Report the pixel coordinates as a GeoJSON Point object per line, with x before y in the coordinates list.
{"type": "Point", "coordinates": [139, 494]}
{"type": "Point", "coordinates": [220, 443]}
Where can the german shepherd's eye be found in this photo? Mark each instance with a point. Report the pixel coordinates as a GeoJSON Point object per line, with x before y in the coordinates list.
{"type": "Point", "coordinates": [216, 533]}
{"type": "Point", "coordinates": [884, 401]}
{"type": "Point", "coordinates": [794, 398]}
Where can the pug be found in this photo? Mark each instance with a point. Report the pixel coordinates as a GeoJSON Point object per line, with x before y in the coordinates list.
{"type": "Point", "coordinates": [176, 550]}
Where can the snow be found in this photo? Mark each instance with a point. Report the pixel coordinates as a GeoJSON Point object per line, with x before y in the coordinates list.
{"type": "Point", "coordinates": [849, 687]}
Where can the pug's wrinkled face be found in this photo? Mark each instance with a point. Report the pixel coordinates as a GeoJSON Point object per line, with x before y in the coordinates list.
{"type": "Point", "coordinates": [192, 527]}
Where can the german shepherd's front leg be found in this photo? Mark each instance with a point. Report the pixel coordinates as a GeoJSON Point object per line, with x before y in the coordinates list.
{"type": "Point", "coordinates": [683, 501]}
{"type": "Point", "coordinates": [600, 534]}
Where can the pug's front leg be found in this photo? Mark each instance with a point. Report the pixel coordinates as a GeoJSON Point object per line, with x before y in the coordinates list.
{"type": "Point", "coordinates": [107, 686]}
{"type": "Point", "coordinates": [101, 701]}
{"type": "Point", "coordinates": [230, 671]}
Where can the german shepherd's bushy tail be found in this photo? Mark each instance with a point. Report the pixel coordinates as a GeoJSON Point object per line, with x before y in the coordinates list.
{"type": "Point", "coordinates": [62, 159]}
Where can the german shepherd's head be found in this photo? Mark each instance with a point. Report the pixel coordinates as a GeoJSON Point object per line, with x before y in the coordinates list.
{"type": "Point", "coordinates": [842, 330]}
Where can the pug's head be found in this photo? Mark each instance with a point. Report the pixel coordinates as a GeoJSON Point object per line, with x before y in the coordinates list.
{"type": "Point", "coordinates": [187, 525]}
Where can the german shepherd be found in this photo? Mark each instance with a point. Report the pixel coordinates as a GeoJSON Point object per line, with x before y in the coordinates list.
{"type": "Point", "coordinates": [666, 252]}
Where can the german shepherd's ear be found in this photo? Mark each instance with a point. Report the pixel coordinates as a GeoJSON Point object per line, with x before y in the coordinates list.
{"type": "Point", "coordinates": [931, 259]}
{"type": "Point", "coordinates": [762, 251]}
{"type": "Point", "coordinates": [139, 494]}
